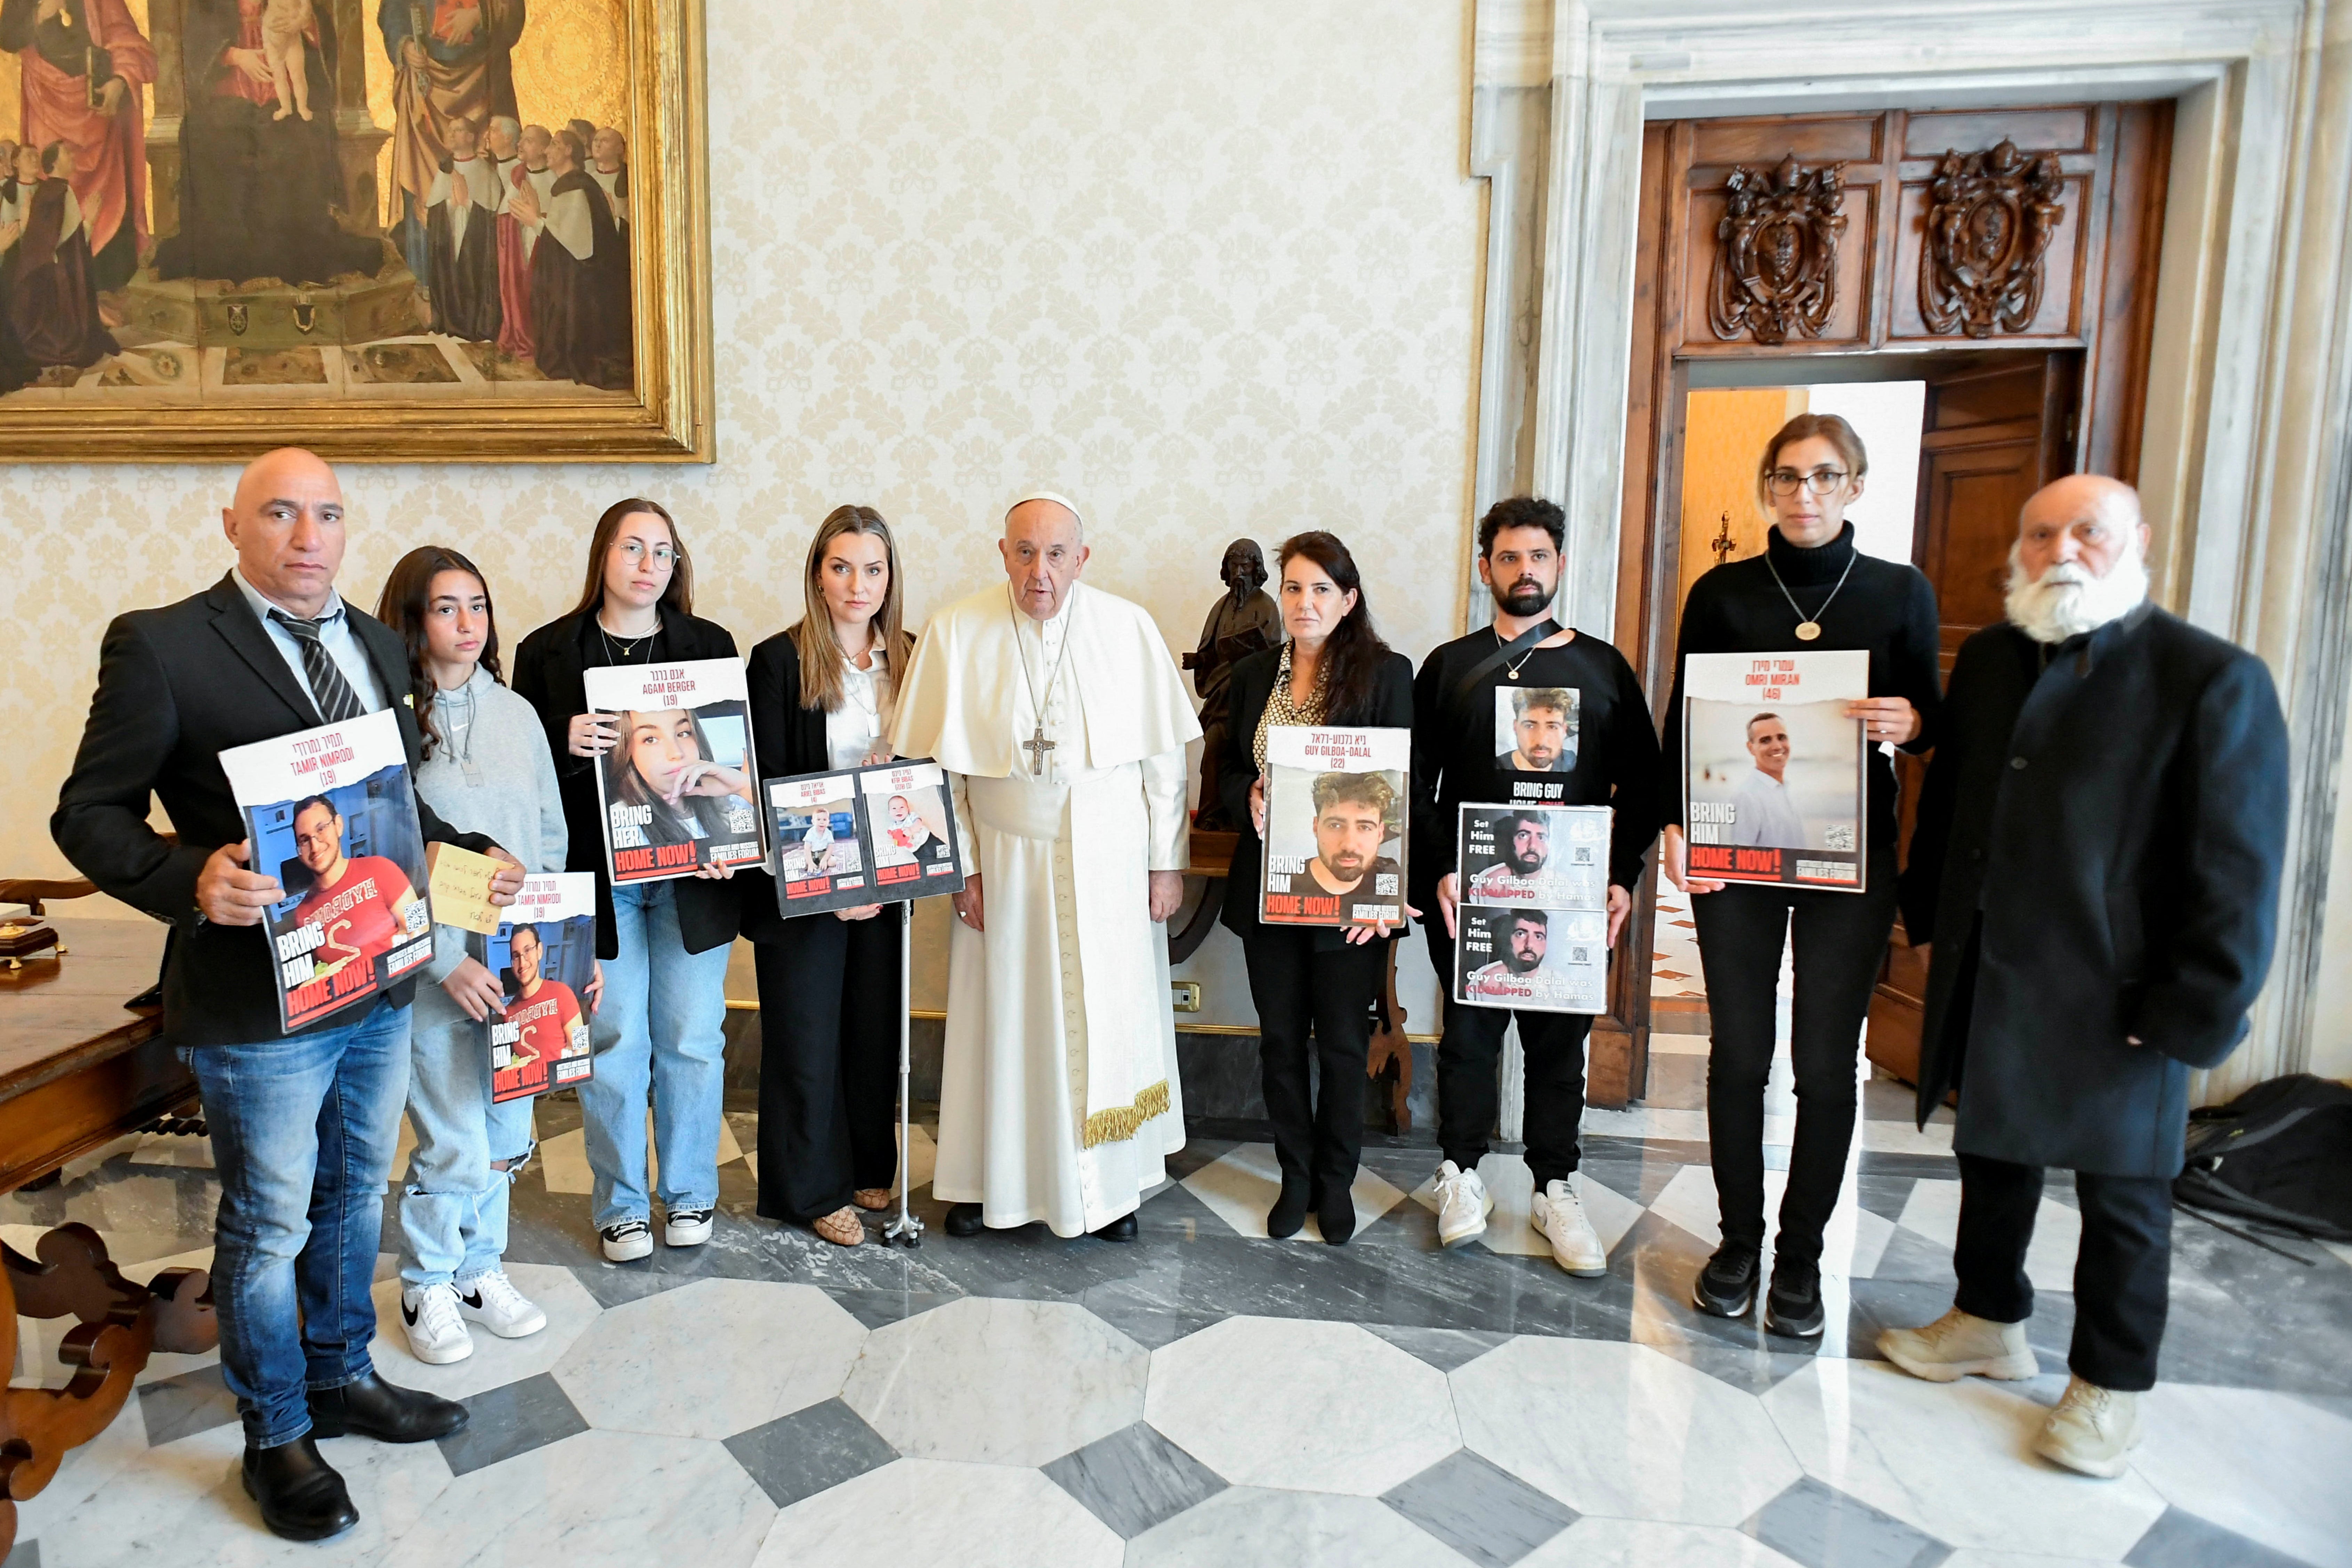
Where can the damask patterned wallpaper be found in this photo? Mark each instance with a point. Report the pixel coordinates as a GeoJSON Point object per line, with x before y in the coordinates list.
{"type": "Point", "coordinates": [1210, 267]}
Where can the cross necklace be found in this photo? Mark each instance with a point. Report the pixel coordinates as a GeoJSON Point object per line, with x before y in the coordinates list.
{"type": "Point", "coordinates": [1036, 746]}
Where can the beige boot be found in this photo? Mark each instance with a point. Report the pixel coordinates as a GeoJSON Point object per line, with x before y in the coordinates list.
{"type": "Point", "coordinates": [1956, 1345]}
{"type": "Point", "coordinates": [2093, 1430]}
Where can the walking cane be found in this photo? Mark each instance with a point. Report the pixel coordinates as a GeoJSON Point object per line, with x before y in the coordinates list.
{"type": "Point", "coordinates": [906, 1230]}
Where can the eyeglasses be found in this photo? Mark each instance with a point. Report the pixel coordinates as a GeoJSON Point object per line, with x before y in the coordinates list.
{"type": "Point", "coordinates": [635, 552]}
{"type": "Point", "coordinates": [1783, 481]}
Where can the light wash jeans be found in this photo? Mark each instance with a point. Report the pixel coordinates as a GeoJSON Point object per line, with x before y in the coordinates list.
{"type": "Point", "coordinates": [661, 1028]}
{"type": "Point", "coordinates": [303, 1130]}
{"type": "Point", "coordinates": [453, 1210]}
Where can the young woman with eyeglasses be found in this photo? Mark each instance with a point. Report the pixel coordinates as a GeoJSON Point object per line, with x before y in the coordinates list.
{"type": "Point", "coordinates": [664, 944]}
{"type": "Point", "coordinates": [1811, 590]}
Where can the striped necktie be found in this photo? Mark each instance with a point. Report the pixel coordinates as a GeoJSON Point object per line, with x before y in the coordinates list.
{"type": "Point", "coordinates": [336, 700]}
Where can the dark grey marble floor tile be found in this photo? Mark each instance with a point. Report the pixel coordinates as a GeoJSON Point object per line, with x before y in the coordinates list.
{"type": "Point", "coordinates": [1876, 1162]}
{"type": "Point", "coordinates": [810, 1451]}
{"type": "Point", "coordinates": [1880, 1304]}
{"type": "Point", "coordinates": [1911, 1256]}
{"type": "Point", "coordinates": [617, 1284]}
{"type": "Point", "coordinates": [1671, 1151]}
{"type": "Point", "coordinates": [1149, 1326]}
{"type": "Point", "coordinates": [1818, 1526]}
{"type": "Point", "coordinates": [1443, 1349]}
{"type": "Point", "coordinates": [1174, 1214]}
{"type": "Point", "coordinates": [1489, 1516]}
{"type": "Point", "coordinates": [879, 1309]}
{"type": "Point", "coordinates": [1752, 1370]}
{"type": "Point", "coordinates": [508, 1420]}
{"type": "Point", "coordinates": [1884, 1194]}
{"type": "Point", "coordinates": [176, 1408]}
{"type": "Point", "coordinates": [1135, 1479]}
{"type": "Point", "coordinates": [2221, 1284]}
{"type": "Point", "coordinates": [23, 1554]}
{"type": "Point", "coordinates": [2179, 1540]}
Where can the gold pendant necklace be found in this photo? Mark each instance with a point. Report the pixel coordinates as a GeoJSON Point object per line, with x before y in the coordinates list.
{"type": "Point", "coordinates": [1808, 626]}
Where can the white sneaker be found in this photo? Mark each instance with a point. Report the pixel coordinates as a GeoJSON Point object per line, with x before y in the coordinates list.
{"type": "Point", "coordinates": [686, 1227]}
{"type": "Point", "coordinates": [2092, 1430]}
{"type": "Point", "coordinates": [436, 1336]}
{"type": "Point", "coordinates": [1956, 1345]}
{"type": "Point", "coordinates": [1463, 1205]}
{"type": "Point", "coordinates": [627, 1241]}
{"type": "Point", "coordinates": [492, 1300]}
{"type": "Point", "coordinates": [1557, 1213]}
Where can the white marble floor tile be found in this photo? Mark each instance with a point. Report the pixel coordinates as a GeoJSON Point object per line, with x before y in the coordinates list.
{"type": "Point", "coordinates": [1513, 1188]}
{"type": "Point", "coordinates": [1903, 1138]}
{"type": "Point", "coordinates": [921, 1158]}
{"type": "Point", "coordinates": [1620, 1429]}
{"type": "Point", "coordinates": [998, 1382]}
{"type": "Point", "coordinates": [2265, 1465]}
{"type": "Point", "coordinates": [1852, 1244]}
{"type": "Point", "coordinates": [1933, 1210]}
{"type": "Point", "coordinates": [1301, 1405]}
{"type": "Point", "coordinates": [184, 1503]}
{"type": "Point", "coordinates": [922, 1512]}
{"type": "Point", "coordinates": [593, 1498]}
{"type": "Point", "coordinates": [495, 1362]}
{"type": "Point", "coordinates": [83, 1470]}
{"type": "Point", "coordinates": [1242, 1183]}
{"type": "Point", "coordinates": [1252, 1525]}
{"type": "Point", "coordinates": [1660, 1122]}
{"type": "Point", "coordinates": [164, 1363]}
{"type": "Point", "coordinates": [1936, 1454]}
{"type": "Point", "coordinates": [710, 1359]}
{"type": "Point", "coordinates": [1650, 1544]}
{"type": "Point", "coordinates": [1974, 1558]}
{"type": "Point", "coordinates": [1665, 1044]}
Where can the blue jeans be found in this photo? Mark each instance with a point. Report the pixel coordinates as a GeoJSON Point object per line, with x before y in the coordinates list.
{"type": "Point", "coordinates": [661, 1028]}
{"type": "Point", "coordinates": [453, 1210]}
{"type": "Point", "coordinates": [303, 1131]}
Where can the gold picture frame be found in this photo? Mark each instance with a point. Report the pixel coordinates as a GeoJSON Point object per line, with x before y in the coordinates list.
{"type": "Point", "coordinates": [664, 414]}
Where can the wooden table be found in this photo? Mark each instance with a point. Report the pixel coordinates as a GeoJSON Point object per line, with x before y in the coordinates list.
{"type": "Point", "coordinates": [78, 1071]}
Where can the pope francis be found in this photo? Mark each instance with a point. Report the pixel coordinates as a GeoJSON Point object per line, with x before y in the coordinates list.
{"type": "Point", "coordinates": [1062, 721]}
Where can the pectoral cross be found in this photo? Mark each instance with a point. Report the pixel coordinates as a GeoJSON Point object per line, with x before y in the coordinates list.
{"type": "Point", "coordinates": [1036, 746]}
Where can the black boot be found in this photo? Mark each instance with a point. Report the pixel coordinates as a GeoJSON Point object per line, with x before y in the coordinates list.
{"type": "Point", "coordinates": [375, 1408]}
{"type": "Point", "coordinates": [1289, 1210]}
{"type": "Point", "coordinates": [1334, 1212]}
{"type": "Point", "coordinates": [301, 1497]}
{"type": "Point", "coordinates": [963, 1220]}
{"type": "Point", "coordinates": [1120, 1230]}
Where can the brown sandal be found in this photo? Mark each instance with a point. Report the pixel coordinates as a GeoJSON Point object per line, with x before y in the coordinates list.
{"type": "Point", "coordinates": [840, 1227]}
{"type": "Point", "coordinates": [872, 1199]}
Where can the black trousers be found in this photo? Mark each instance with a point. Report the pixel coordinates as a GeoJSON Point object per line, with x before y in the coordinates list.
{"type": "Point", "coordinates": [1469, 1096]}
{"type": "Point", "coordinates": [1839, 939]}
{"type": "Point", "coordinates": [1300, 990]}
{"type": "Point", "coordinates": [2122, 1273]}
{"type": "Point", "coordinates": [828, 1062]}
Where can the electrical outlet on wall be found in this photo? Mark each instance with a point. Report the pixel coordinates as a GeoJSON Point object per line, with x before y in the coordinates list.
{"type": "Point", "coordinates": [1187, 994]}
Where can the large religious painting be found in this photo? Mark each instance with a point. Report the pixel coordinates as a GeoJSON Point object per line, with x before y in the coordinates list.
{"type": "Point", "coordinates": [405, 230]}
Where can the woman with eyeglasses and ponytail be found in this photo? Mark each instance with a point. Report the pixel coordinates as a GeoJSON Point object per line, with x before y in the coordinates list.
{"type": "Point", "coordinates": [1810, 592]}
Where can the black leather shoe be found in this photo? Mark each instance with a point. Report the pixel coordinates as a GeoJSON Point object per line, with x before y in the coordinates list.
{"type": "Point", "coordinates": [963, 1220]}
{"type": "Point", "coordinates": [375, 1408]}
{"type": "Point", "coordinates": [1289, 1210]}
{"type": "Point", "coordinates": [1793, 1308]}
{"type": "Point", "coordinates": [1727, 1286]}
{"type": "Point", "coordinates": [301, 1497]}
{"type": "Point", "coordinates": [1120, 1230]}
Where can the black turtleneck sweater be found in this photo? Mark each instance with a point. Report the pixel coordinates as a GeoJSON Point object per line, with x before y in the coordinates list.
{"type": "Point", "coordinates": [1886, 608]}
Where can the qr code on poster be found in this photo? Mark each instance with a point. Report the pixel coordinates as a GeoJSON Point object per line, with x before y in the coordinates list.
{"type": "Point", "coordinates": [1838, 836]}
{"type": "Point", "coordinates": [1385, 885]}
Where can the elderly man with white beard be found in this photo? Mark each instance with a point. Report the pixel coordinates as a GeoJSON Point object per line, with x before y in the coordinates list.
{"type": "Point", "coordinates": [2097, 859]}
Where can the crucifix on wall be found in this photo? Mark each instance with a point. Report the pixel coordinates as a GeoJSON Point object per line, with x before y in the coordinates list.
{"type": "Point", "coordinates": [1723, 544]}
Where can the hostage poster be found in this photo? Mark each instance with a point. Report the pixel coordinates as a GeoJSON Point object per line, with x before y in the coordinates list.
{"type": "Point", "coordinates": [1773, 788]}
{"type": "Point", "coordinates": [1336, 801]}
{"type": "Point", "coordinates": [675, 792]}
{"type": "Point", "coordinates": [544, 958]}
{"type": "Point", "coordinates": [332, 816]}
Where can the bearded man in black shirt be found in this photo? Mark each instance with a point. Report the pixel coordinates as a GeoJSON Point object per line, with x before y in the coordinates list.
{"type": "Point", "coordinates": [1607, 755]}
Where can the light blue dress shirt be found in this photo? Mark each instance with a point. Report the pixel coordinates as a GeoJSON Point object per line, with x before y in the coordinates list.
{"type": "Point", "coordinates": [335, 635]}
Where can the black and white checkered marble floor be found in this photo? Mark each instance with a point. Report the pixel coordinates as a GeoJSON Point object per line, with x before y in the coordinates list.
{"type": "Point", "coordinates": [1208, 1396]}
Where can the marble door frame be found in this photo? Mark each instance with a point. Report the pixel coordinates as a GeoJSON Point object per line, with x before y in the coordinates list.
{"type": "Point", "coordinates": [2246, 464]}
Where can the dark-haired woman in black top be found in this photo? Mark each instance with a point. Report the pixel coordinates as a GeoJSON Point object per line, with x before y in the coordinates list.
{"type": "Point", "coordinates": [1809, 575]}
{"type": "Point", "coordinates": [1333, 670]}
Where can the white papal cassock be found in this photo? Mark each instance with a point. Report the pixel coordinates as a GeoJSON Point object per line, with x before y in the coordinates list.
{"type": "Point", "coordinates": [1058, 1096]}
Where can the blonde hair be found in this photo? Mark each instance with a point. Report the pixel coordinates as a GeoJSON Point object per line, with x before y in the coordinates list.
{"type": "Point", "coordinates": [821, 654]}
{"type": "Point", "coordinates": [1829, 427]}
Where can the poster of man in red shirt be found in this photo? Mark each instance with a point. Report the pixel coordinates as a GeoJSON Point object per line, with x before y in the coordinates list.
{"type": "Point", "coordinates": [546, 963]}
{"type": "Point", "coordinates": [364, 905]}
